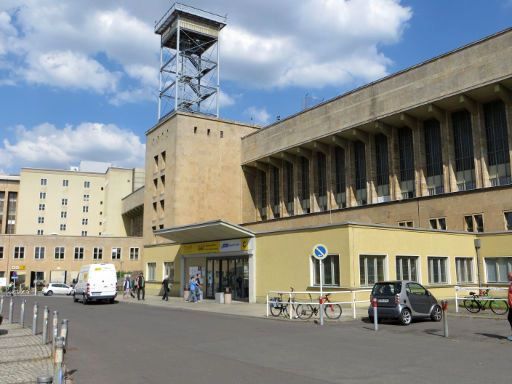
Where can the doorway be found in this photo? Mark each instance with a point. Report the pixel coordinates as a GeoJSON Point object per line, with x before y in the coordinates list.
{"type": "Point", "coordinates": [232, 273]}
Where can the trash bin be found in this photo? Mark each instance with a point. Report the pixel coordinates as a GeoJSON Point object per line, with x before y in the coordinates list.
{"type": "Point", "coordinates": [219, 297]}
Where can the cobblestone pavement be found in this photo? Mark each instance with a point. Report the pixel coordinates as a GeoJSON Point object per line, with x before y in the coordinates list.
{"type": "Point", "coordinates": [23, 356]}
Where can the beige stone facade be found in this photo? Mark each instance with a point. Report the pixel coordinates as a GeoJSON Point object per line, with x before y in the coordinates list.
{"type": "Point", "coordinates": [59, 258]}
{"type": "Point", "coordinates": [9, 189]}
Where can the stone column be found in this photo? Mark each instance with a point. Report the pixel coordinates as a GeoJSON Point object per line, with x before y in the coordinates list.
{"type": "Point", "coordinates": [350, 174]}
{"type": "Point", "coordinates": [446, 144]}
{"type": "Point", "coordinates": [471, 106]}
{"type": "Point", "coordinates": [394, 164]}
{"type": "Point", "coordinates": [481, 152]}
{"type": "Point", "coordinates": [371, 173]}
{"type": "Point", "coordinates": [448, 135]}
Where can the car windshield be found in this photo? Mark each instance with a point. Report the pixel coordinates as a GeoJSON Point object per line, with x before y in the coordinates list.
{"type": "Point", "coordinates": [386, 289]}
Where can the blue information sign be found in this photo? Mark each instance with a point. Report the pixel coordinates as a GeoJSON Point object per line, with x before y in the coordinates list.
{"type": "Point", "coordinates": [320, 251]}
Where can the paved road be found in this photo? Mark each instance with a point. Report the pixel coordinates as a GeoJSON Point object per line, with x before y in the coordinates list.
{"type": "Point", "coordinates": [132, 343]}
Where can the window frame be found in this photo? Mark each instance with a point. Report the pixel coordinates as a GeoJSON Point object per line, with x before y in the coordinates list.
{"type": "Point", "coordinates": [446, 260]}
{"type": "Point", "coordinates": [134, 257]}
{"type": "Point", "coordinates": [385, 271]}
{"type": "Point", "coordinates": [496, 258]}
{"type": "Point", "coordinates": [334, 273]}
{"type": "Point", "coordinates": [81, 252]}
{"type": "Point", "coordinates": [97, 253]}
{"type": "Point", "coordinates": [418, 267]}
{"type": "Point", "coordinates": [118, 251]}
{"type": "Point", "coordinates": [37, 255]}
{"type": "Point", "coordinates": [18, 252]}
{"type": "Point", "coordinates": [153, 264]}
{"type": "Point", "coordinates": [61, 256]}
{"type": "Point", "coordinates": [471, 271]}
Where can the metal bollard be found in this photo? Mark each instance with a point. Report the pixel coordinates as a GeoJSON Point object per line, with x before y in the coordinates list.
{"type": "Point", "coordinates": [444, 306]}
{"type": "Point", "coordinates": [64, 332]}
{"type": "Point", "coordinates": [55, 329]}
{"type": "Point", "coordinates": [46, 314]}
{"type": "Point", "coordinates": [44, 380]}
{"type": "Point", "coordinates": [22, 312]}
{"type": "Point", "coordinates": [34, 319]}
{"type": "Point", "coordinates": [11, 307]}
{"type": "Point", "coordinates": [1, 305]}
{"type": "Point", "coordinates": [58, 358]}
{"type": "Point", "coordinates": [375, 315]}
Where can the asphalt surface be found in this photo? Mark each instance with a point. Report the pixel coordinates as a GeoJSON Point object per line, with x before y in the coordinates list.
{"type": "Point", "coordinates": [133, 343]}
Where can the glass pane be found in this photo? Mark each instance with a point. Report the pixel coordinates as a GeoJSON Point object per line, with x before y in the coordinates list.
{"type": "Point", "coordinates": [327, 270]}
{"type": "Point", "coordinates": [414, 274]}
{"type": "Point", "coordinates": [502, 270]}
{"type": "Point", "coordinates": [316, 271]}
{"type": "Point", "coordinates": [335, 270]}
{"type": "Point", "coordinates": [399, 275]}
{"type": "Point", "coordinates": [491, 270]}
{"type": "Point", "coordinates": [380, 268]}
{"type": "Point", "coordinates": [442, 265]}
{"type": "Point", "coordinates": [405, 268]}
{"type": "Point", "coordinates": [371, 270]}
{"type": "Point", "coordinates": [362, 270]}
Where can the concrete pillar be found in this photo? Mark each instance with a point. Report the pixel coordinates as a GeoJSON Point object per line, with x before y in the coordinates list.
{"type": "Point", "coordinates": [331, 180]}
{"type": "Point", "coordinates": [419, 160]}
{"type": "Point", "coordinates": [394, 164]}
{"type": "Point", "coordinates": [350, 172]}
{"type": "Point", "coordinates": [371, 173]}
{"type": "Point", "coordinates": [446, 141]}
{"type": "Point", "coordinates": [506, 96]}
{"type": "Point", "coordinates": [297, 183]}
{"type": "Point", "coordinates": [481, 152]}
{"type": "Point", "coordinates": [448, 136]}
{"type": "Point", "coordinates": [471, 106]}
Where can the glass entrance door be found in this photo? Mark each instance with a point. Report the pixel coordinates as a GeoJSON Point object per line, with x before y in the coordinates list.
{"type": "Point", "coordinates": [232, 273]}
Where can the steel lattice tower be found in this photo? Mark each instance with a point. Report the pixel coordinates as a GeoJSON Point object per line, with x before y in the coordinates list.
{"type": "Point", "coordinates": [189, 60]}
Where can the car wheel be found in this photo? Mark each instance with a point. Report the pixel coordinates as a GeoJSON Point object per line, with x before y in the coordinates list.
{"type": "Point", "coordinates": [405, 317]}
{"type": "Point", "coordinates": [75, 299]}
{"type": "Point", "coordinates": [49, 293]}
{"type": "Point", "coordinates": [436, 314]}
{"type": "Point", "coordinates": [84, 299]}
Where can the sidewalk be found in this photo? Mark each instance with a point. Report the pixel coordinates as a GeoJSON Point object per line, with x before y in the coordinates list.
{"type": "Point", "coordinates": [236, 308]}
{"type": "Point", "coordinates": [23, 356]}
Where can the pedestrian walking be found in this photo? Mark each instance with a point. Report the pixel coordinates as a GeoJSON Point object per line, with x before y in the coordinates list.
{"type": "Point", "coordinates": [132, 287]}
{"type": "Point", "coordinates": [510, 302]}
{"type": "Point", "coordinates": [141, 286]}
{"type": "Point", "coordinates": [192, 289]}
{"type": "Point", "coordinates": [126, 286]}
{"type": "Point", "coordinates": [199, 286]}
{"type": "Point", "coordinates": [165, 284]}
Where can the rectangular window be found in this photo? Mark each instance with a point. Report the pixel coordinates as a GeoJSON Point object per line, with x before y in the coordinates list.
{"type": "Point", "coordinates": [79, 253]}
{"type": "Point", "coordinates": [463, 145]}
{"type": "Point", "coordinates": [371, 269]}
{"type": "Point", "coordinates": [508, 220]}
{"type": "Point", "coordinates": [439, 223]}
{"type": "Point", "coordinates": [381, 154]}
{"type": "Point", "coordinates": [437, 267]}
{"type": "Point", "coordinates": [40, 232]}
{"type": "Point", "coordinates": [44, 181]}
{"type": "Point", "coordinates": [474, 223]}
{"type": "Point", "coordinates": [65, 183]}
{"type": "Point", "coordinates": [407, 268]}
{"type": "Point", "coordinates": [331, 266]}
{"type": "Point", "coordinates": [169, 270]}
{"type": "Point", "coordinates": [85, 221]}
{"type": "Point", "coordinates": [97, 253]}
{"type": "Point", "coordinates": [63, 214]}
{"type": "Point", "coordinates": [42, 195]}
{"type": "Point", "coordinates": [40, 220]}
{"type": "Point", "coordinates": [339, 166]}
{"type": "Point", "coordinates": [275, 192]}
{"type": "Point", "coordinates": [304, 184]}
{"type": "Point", "coordinates": [12, 202]}
{"type": "Point", "coordinates": [495, 118]}
{"type": "Point", "coordinates": [19, 252]}
{"type": "Point", "coordinates": [39, 253]}
{"type": "Point", "coordinates": [321, 174]}
{"type": "Point", "coordinates": [360, 166]}
{"type": "Point", "coordinates": [464, 269]}
{"type": "Point", "coordinates": [288, 168]}
{"type": "Point", "coordinates": [498, 268]}
{"type": "Point", "coordinates": [1, 252]}
{"type": "Point", "coordinates": [64, 202]}
{"type": "Point", "coordinates": [263, 194]}
{"type": "Point", "coordinates": [59, 253]}
{"type": "Point", "coordinates": [406, 161]}
{"type": "Point", "coordinates": [408, 224]}
{"type": "Point", "coordinates": [116, 253]}
{"type": "Point", "coordinates": [86, 197]}
{"type": "Point", "coordinates": [134, 253]}
{"type": "Point", "coordinates": [85, 209]}
{"type": "Point", "coordinates": [42, 207]}
{"type": "Point", "coordinates": [433, 152]}
{"type": "Point", "coordinates": [87, 184]}
{"type": "Point", "coordinates": [84, 233]}
{"type": "Point", "coordinates": [63, 227]}
{"type": "Point", "coordinates": [151, 271]}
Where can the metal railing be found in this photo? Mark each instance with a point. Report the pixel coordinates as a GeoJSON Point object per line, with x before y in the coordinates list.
{"type": "Point", "coordinates": [479, 290]}
{"type": "Point", "coordinates": [299, 297]}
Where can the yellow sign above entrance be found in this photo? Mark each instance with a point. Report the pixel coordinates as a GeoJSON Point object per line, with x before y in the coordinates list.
{"type": "Point", "coordinates": [18, 267]}
{"type": "Point", "coordinates": [215, 247]}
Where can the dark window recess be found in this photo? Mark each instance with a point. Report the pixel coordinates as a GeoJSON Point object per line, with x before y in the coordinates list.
{"type": "Point", "coordinates": [339, 160]}
{"type": "Point", "coordinates": [360, 164]}
{"type": "Point", "coordinates": [275, 192]}
{"type": "Point", "coordinates": [463, 141]}
{"type": "Point", "coordinates": [479, 223]}
{"type": "Point", "coordinates": [497, 143]}
{"type": "Point", "coordinates": [381, 153]}
{"type": "Point", "coordinates": [406, 154]}
{"type": "Point", "coordinates": [289, 181]}
{"type": "Point", "coordinates": [321, 163]}
{"type": "Point", "coordinates": [468, 220]}
{"type": "Point", "coordinates": [433, 152]}
{"type": "Point", "coordinates": [263, 194]}
{"type": "Point", "coordinates": [304, 185]}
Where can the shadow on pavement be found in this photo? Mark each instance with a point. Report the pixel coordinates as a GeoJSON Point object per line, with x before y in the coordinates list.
{"type": "Point", "coordinates": [3, 332]}
{"type": "Point", "coordinates": [492, 336]}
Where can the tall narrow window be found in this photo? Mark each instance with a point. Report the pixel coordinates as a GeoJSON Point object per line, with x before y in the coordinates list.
{"type": "Point", "coordinates": [381, 155]}
{"type": "Point", "coordinates": [97, 253]}
{"type": "Point", "coordinates": [437, 270]}
{"type": "Point", "coordinates": [275, 192]}
{"type": "Point", "coordinates": [79, 253]}
{"type": "Point", "coordinates": [321, 172]}
{"type": "Point", "coordinates": [497, 143]}
{"type": "Point", "coordinates": [463, 143]}
{"type": "Point", "coordinates": [339, 166]}
{"type": "Point", "coordinates": [360, 165]}
{"type": "Point", "coordinates": [371, 269]}
{"type": "Point", "coordinates": [304, 190]}
{"type": "Point", "coordinates": [116, 253]}
{"type": "Point", "coordinates": [39, 253]}
{"type": "Point", "coordinates": [407, 268]}
{"type": "Point", "coordinates": [262, 194]}
{"type": "Point", "coordinates": [288, 168]}
{"type": "Point", "coordinates": [433, 156]}
{"type": "Point", "coordinates": [134, 253]}
{"type": "Point", "coordinates": [406, 155]}
{"type": "Point", "coordinates": [12, 202]}
{"type": "Point", "coordinates": [19, 252]}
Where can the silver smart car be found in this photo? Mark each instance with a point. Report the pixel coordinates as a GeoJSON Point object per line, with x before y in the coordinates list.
{"type": "Point", "coordinates": [404, 300]}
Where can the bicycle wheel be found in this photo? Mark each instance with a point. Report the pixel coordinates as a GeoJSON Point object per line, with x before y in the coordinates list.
{"type": "Point", "coordinates": [472, 305]}
{"type": "Point", "coordinates": [304, 311]}
{"type": "Point", "coordinates": [499, 307]}
{"type": "Point", "coordinates": [333, 311]}
{"type": "Point", "coordinates": [275, 307]}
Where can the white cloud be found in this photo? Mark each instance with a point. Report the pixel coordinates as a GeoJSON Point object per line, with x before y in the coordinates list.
{"type": "Point", "coordinates": [49, 146]}
{"type": "Point", "coordinates": [226, 100]}
{"type": "Point", "coordinates": [258, 115]}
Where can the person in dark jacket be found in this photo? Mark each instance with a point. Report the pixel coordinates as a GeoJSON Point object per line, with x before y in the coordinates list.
{"type": "Point", "coordinates": [141, 286]}
{"type": "Point", "coordinates": [165, 284]}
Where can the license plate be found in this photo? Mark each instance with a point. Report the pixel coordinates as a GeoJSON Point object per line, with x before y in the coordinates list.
{"type": "Point", "coordinates": [383, 300]}
{"type": "Point", "coordinates": [95, 293]}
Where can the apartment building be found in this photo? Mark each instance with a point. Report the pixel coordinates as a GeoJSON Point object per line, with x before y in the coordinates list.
{"type": "Point", "coordinates": [9, 189]}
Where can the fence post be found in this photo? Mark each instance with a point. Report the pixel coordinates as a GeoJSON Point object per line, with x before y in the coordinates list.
{"type": "Point", "coordinates": [22, 312]}
{"type": "Point", "coordinates": [45, 325]}
{"type": "Point", "coordinates": [267, 305]}
{"type": "Point", "coordinates": [375, 315]}
{"type": "Point", "coordinates": [444, 306]}
{"type": "Point", "coordinates": [354, 304]}
{"type": "Point", "coordinates": [11, 307]}
{"type": "Point", "coordinates": [58, 358]}
{"type": "Point", "coordinates": [55, 329]}
{"type": "Point", "coordinates": [456, 299]}
{"type": "Point", "coordinates": [291, 305]}
{"type": "Point", "coordinates": [34, 319]}
{"type": "Point", "coordinates": [64, 332]}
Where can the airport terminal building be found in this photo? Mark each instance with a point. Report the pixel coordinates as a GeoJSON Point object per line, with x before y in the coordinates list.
{"type": "Point", "coordinates": [408, 177]}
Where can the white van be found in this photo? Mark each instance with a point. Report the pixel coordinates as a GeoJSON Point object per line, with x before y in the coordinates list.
{"type": "Point", "coordinates": [96, 282]}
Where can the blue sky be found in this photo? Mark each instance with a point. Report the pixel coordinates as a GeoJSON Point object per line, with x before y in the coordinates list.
{"type": "Point", "coordinates": [80, 83]}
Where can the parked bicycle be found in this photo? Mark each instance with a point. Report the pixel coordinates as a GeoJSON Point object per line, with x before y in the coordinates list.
{"type": "Point", "coordinates": [278, 306]}
{"type": "Point", "coordinates": [332, 311]}
{"type": "Point", "coordinates": [480, 302]}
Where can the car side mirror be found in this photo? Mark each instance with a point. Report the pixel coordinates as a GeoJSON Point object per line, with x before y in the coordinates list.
{"type": "Point", "coordinates": [428, 293]}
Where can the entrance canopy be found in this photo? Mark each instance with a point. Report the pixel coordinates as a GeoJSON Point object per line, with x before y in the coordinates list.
{"type": "Point", "coordinates": [202, 232]}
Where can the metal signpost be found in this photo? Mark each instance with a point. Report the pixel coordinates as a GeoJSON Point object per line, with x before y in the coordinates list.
{"type": "Point", "coordinates": [320, 253]}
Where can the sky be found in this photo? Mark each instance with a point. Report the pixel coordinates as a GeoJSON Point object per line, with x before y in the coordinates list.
{"type": "Point", "coordinates": [79, 80]}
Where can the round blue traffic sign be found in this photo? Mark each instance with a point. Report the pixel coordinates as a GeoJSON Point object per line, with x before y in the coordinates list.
{"type": "Point", "coordinates": [320, 251]}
